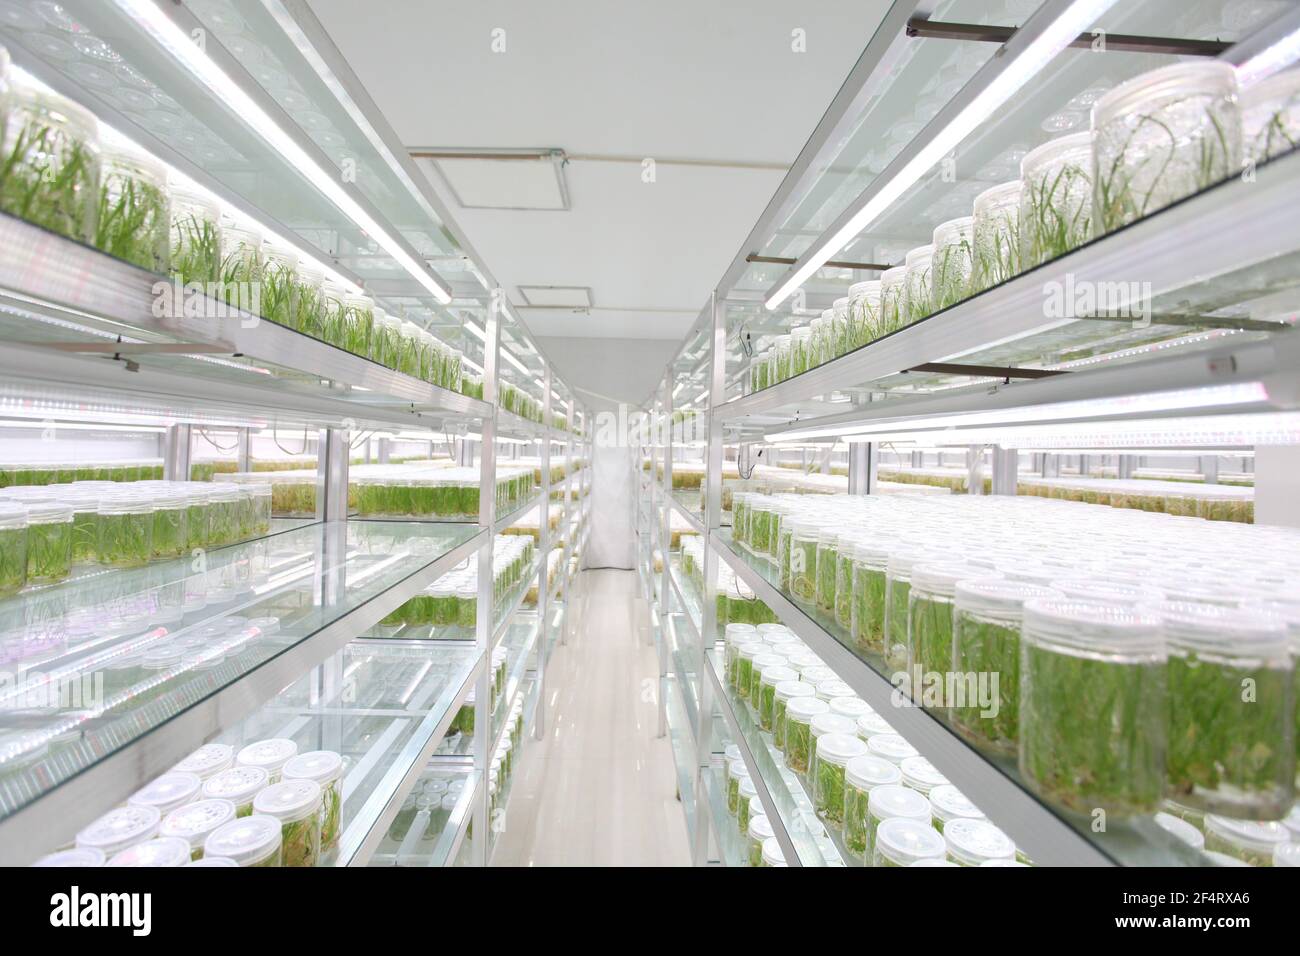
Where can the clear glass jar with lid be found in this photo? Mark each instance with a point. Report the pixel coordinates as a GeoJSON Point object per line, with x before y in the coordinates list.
{"type": "Point", "coordinates": [828, 545]}
{"type": "Point", "coordinates": [296, 804]}
{"type": "Point", "coordinates": [804, 539]}
{"type": "Point", "coordinates": [867, 599]}
{"type": "Point", "coordinates": [834, 751]}
{"type": "Point", "coordinates": [1253, 842]}
{"type": "Point", "coordinates": [1056, 201]}
{"type": "Point", "coordinates": [270, 755]}
{"type": "Point", "coordinates": [863, 314]}
{"type": "Point", "coordinates": [241, 267]}
{"type": "Point", "coordinates": [759, 367]}
{"type": "Point", "coordinates": [953, 263]}
{"type": "Point", "coordinates": [237, 784]}
{"type": "Point", "coordinates": [799, 714]}
{"type": "Point", "coordinates": [772, 853]}
{"type": "Point", "coordinates": [170, 517]}
{"type": "Point", "coordinates": [334, 318]}
{"type": "Point", "coordinates": [13, 547]}
{"type": "Point", "coordinates": [1230, 751]}
{"type": "Point", "coordinates": [821, 725]}
{"type": "Point", "coordinates": [902, 841]}
{"type": "Point", "coordinates": [898, 588]}
{"type": "Point", "coordinates": [456, 374]}
{"type": "Point", "coordinates": [846, 543]}
{"type": "Point", "coordinates": [987, 615]}
{"type": "Point", "coordinates": [918, 301]}
{"type": "Point", "coordinates": [995, 235]}
{"type": "Point", "coordinates": [770, 674]}
{"type": "Point", "coordinates": [134, 218]}
{"type": "Point", "coordinates": [745, 655]}
{"type": "Point", "coordinates": [358, 322]}
{"type": "Point", "coordinates": [820, 326]}
{"type": "Point", "coordinates": [307, 307]}
{"type": "Point", "coordinates": [52, 164]}
{"type": "Point", "coordinates": [745, 793]}
{"type": "Point", "coordinates": [1074, 653]}
{"type": "Point", "coordinates": [385, 342]}
{"type": "Point", "coordinates": [1270, 116]}
{"type": "Point", "coordinates": [893, 801]}
{"type": "Point", "coordinates": [783, 352]}
{"type": "Point", "coordinates": [408, 349]}
{"type": "Point", "coordinates": [194, 821]}
{"type": "Point", "coordinates": [736, 772]}
{"type": "Point", "coordinates": [326, 768]}
{"type": "Point", "coordinates": [929, 620]}
{"type": "Point", "coordinates": [49, 541]}
{"type": "Point", "coordinates": [735, 635]}
{"type": "Point", "coordinates": [948, 803]}
{"type": "Point", "coordinates": [782, 693]}
{"type": "Point", "coordinates": [759, 831]}
{"type": "Point", "coordinates": [252, 841]}
{"type": "Point", "coordinates": [195, 236]}
{"type": "Point", "coordinates": [863, 774]}
{"type": "Point", "coordinates": [893, 301]}
{"type": "Point", "coordinates": [972, 842]}
{"type": "Point", "coordinates": [279, 290]}
{"type": "Point", "coordinates": [838, 338]}
{"type": "Point", "coordinates": [801, 350]}
{"type": "Point", "coordinates": [1162, 136]}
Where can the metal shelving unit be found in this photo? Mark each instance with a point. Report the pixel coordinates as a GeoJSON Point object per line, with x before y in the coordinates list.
{"type": "Point", "coordinates": [83, 340]}
{"type": "Point", "coordinates": [1216, 354]}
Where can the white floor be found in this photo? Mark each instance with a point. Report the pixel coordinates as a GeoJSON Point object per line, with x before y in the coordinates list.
{"type": "Point", "coordinates": [600, 789]}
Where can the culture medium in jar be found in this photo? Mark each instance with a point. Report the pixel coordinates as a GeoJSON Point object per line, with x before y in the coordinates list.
{"type": "Point", "coordinates": [296, 804]}
{"type": "Point", "coordinates": [901, 841]}
{"type": "Point", "coordinates": [995, 235]}
{"type": "Point", "coordinates": [1056, 201]}
{"type": "Point", "coordinates": [325, 767]}
{"type": "Point", "coordinates": [987, 615]}
{"type": "Point", "coordinates": [834, 751]}
{"type": "Point", "coordinates": [1232, 710]}
{"type": "Point", "coordinates": [953, 262]}
{"type": "Point", "coordinates": [918, 300]}
{"type": "Point", "coordinates": [974, 842]}
{"type": "Point", "coordinates": [1076, 657]}
{"type": "Point", "coordinates": [1162, 136]}
{"type": "Point", "coordinates": [894, 802]}
{"type": "Point", "coordinates": [799, 714]}
{"type": "Point", "coordinates": [1270, 116]}
{"type": "Point", "coordinates": [251, 841]}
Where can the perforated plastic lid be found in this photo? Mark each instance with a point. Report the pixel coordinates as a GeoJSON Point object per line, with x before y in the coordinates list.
{"type": "Point", "coordinates": [247, 840]}
{"type": "Point", "coordinates": [1287, 854]}
{"type": "Point", "coordinates": [1107, 591]}
{"type": "Point", "coordinates": [949, 803]}
{"type": "Point", "coordinates": [920, 774]}
{"type": "Point", "coordinates": [894, 800]}
{"type": "Point", "coordinates": [816, 673]}
{"type": "Point", "coordinates": [790, 689]}
{"type": "Point", "coordinates": [736, 633]}
{"type": "Point", "coordinates": [746, 788]}
{"type": "Point", "coordinates": [195, 821]}
{"type": "Point", "coordinates": [760, 827]}
{"type": "Point", "coordinates": [838, 749]}
{"type": "Point", "coordinates": [941, 579]}
{"type": "Point", "coordinates": [932, 861]}
{"type": "Point", "coordinates": [828, 690]}
{"type": "Point", "coordinates": [772, 855]}
{"type": "Point", "coordinates": [867, 772]}
{"type": "Point", "coordinates": [828, 723]}
{"type": "Point", "coordinates": [778, 673]}
{"type": "Point", "coordinates": [120, 828]}
{"type": "Point", "coordinates": [209, 760]}
{"type": "Point", "coordinates": [163, 851]}
{"type": "Point", "coordinates": [78, 856]}
{"type": "Point", "coordinates": [289, 801]}
{"type": "Point", "coordinates": [171, 790]}
{"type": "Point", "coordinates": [999, 598]}
{"type": "Point", "coordinates": [871, 724]}
{"type": "Point", "coordinates": [851, 707]}
{"type": "Point", "coordinates": [238, 784]}
{"type": "Point", "coordinates": [323, 766]}
{"type": "Point", "coordinates": [270, 754]}
{"type": "Point", "coordinates": [891, 747]}
{"type": "Point", "coordinates": [973, 841]}
{"type": "Point", "coordinates": [905, 840]}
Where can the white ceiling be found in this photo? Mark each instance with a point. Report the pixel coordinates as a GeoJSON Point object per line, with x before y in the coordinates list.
{"type": "Point", "coordinates": [713, 92]}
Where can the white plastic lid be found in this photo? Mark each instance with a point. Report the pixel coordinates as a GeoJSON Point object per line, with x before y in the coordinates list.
{"type": "Point", "coordinates": [48, 512]}
{"type": "Point", "coordinates": [1215, 628]}
{"type": "Point", "coordinates": [851, 707]}
{"type": "Point", "coordinates": [804, 709]}
{"type": "Point", "coordinates": [905, 840]}
{"type": "Point", "coordinates": [1093, 626]}
{"type": "Point", "coordinates": [828, 690]}
{"type": "Point", "coordinates": [816, 673]}
{"type": "Point", "coordinates": [1260, 836]}
{"type": "Point", "coordinates": [238, 784]}
{"type": "Point", "coordinates": [772, 854]}
{"type": "Point", "coordinates": [1222, 859]}
{"type": "Point", "coordinates": [760, 827]}
{"type": "Point", "coordinates": [973, 841]}
{"type": "Point", "coordinates": [246, 840]}
{"type": "Point", "coordinates": [999, 598]}
{"type": "Point", "coordinates": [941, 579]}
{"type": "Point", "coordinates": [891, 747]}
{"type": "Point", "coordinates": [778, 673]}
{"type": "Point", "coordinates": [949, 803]}
{"type": "Point", "coordinates": [751, 650]}
{"type": "Point", "coordinates": [164, 851]}
{"type": "Point", "coordinates": [768, 660]}
{"type": "Point", "coordinates": [894, 800]}
{"type": "Point", "coordinates": [323, 766]}
{"type": "Point", "coordinates": [290, 800]}
{"type": "Point", "coordinates": [195, 821]}
{"type": "Point", "coordinates": [932, 861]}
{"type": "Point", "coordinates": [78, 856]}
{"type": "Point", "coordinates": [828, 723]}
{"type": "Point", "coordinates": [1181, 829]}
{"type": "Point", "coordinates": [838, 749]}
{"type": "Point", "coordinates": [1287, 854]}
{"type": "Point", "coordinates": [789, 689]}
{"type": "Point", "coordinates": [212, 861]}
{"type": "Point", "coordinates": [15, 516]}
{"type": "Point", "coordinates": [207, 761]}
{"type": "Point", "coordinates": [1107, 591]}
{"type": "Point", "coordinates": [270, 754]}
{"type": "Point", "coordinates": [171, 790]}
{"type": "Point", "coordinates": [871, 724]}
{"type": "Point", "coordinates": [920, 774]}
{"type": "Point", "coordinates": [867, 772]}
{"type": "Point", "coordinates": [746, 788]}
{"type": "Point", "coordinates": [120, 828]}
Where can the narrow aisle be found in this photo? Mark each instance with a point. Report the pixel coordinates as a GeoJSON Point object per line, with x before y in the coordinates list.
{"type": "Point", "coordinates": [600, 789]}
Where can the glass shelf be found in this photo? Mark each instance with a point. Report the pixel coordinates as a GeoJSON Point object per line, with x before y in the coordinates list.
{"type": "Point", "coordinates": [102, 661]}
{"type": "Point", "coordinates": [419, 836]}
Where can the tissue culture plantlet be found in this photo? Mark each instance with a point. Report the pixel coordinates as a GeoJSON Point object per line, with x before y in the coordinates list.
{"type": "Point", "coordinates": [868, 623]}
{"type": "Point", "coordinates": [987, 647]}
{"type": "Point", "coordinates": [49, 551]}
{"type": "Point", "coordinates": [898, 592]}
{"type": "Point", "coordinates": [301, 841]}
{"type": "Point", "coordinates": [844, 589]}
{"type": "Point", "coordinates": [279, 292]}
{"type": "Point", "coordinates": [85, 532]}
{"type": "Point", "coordinates": [1055, 214]}
{"type": "Point", "coordinates": [803, 570]}
{"type": "Point", "coordinates": [125, 540]}
{"type": "Point", "coordinates": [50, 178]}
{"type": "Point", "coordinates": [467, 612]}
{"type": "Point", "coordinates": [929, 634]}
{"type": "Point", "coordinates": [195, 249]}
{"type": "Point", "coordinates": [331, 815]}
{"type": "Point", "coordinates": [827, 556]}
{"type": "Point", "coordinates": [1220, 743]}
{"type": "Point", "coordinates": [169, 532]}
{"type": "Point", "coordinates": [133, 221]}
{"type": "Point", "coordinates": [996, 252]}
{"type": "Point", "coordinates": [13, 559]}
{"type": "Point", "coordinates": [359, 323]}
{"type": "Point", "coordinates": [1112, 760]}
{"type": "Point", "coordinates": [798, 744]}
{"type": "Point", "coordinates": [952, 273]}
{"type": "Point", "coordinates": [830, 792]}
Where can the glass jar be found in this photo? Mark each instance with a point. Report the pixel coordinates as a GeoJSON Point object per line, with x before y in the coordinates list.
{"type": "Point", "coordinates": [279, 291]}
{"type": "Point", "coordinates": [1270, 116]}
{"type": "Point", "coordinates": [867, 611]}
{"type": "Point", "coordinates": [929, 621]}
{"type": "Point", "coordinates": [804, 539]}
{"type": "Point", "coordinates": [1253, 842]}
{"type": "Point", "coordinates": [334, 319]}
{"type": "Point", "coordinates": [834, 751]}
{"type": "Point", "coordinates": [918, 302]}
{"type": "Point", "coordinates": [772, 853]}
{"type": "Point", "coordinates": [358, 322]}
{"type": "Point", "coordinates": [1056, 201]}
{"type": "Point", "coordinates": [51, 163]}
{"type": "Point", "coordinates": [820, 726]}
{"type": "Point", "coordinates": [947, 803]}
{"type": "Point", "coordinates": [759, 831]}
{"type": "Point", "coordinates": [13, 547]}
{"type": "Point", "coordinates": [893, 801]}
{"type": "Point", "coordinates": [1231, 735]}
{"type": "Point", "coordinates": [799, 714]}
{"type": "Point", "coordinates": [408, 349]}
{"type": "Point", "coordinates": [996, 235]}
{"type": "Point", "coordinates": [1162, 136]}
{"type": "Point", "coordinates": [898, 586]}
{"type": "Point", "coordinates": [250, 841]}
{"type": "Point", "coordinates": [773, 672]}
{"type": "Point", "coordinates": [260, 497]}
{"type": "Point", "coordinates": [197, 515]}
{"type": "Point", "coordinates": [134, 219]}
{"type": "Point", "coordinates": [224, 502]}
{"type": "Point", "coordinates": [241, 267]}
{"type": "Point", "coordinates": [987, 615]}
{"type": "Point", "coordinates": [1073, 654]}
{"type": "Point", "coordinates": [49, 541]}
{"type": "Point", "coordinates": [838, 337]}
{"type": "Point", "coordinates": [745, 654]}
{"type": "Point", "coordinates": [862, 774]}
{"type": "Point", "coordinates": [974, 842]}
{"type": "Point", "coordinates": [893, 301]}
{"type": "Point", "coordinates": [819, 350]}
{"type": "Point", "coordinates": [195, 236]}
{"type": "Point", "coordinates": [456, 377]}
{"type": "Point", "coordinates": [759, 367]}
{"type": "Point", "coordinates": [845, 547]}
{"type": "Point", "coordinates": [432, 360]}
{"type": "Point", "coordinates": [467, 606]}
{"type": "Point", "coordinates": [863, 314]}
{"type": "Point", "coordinates": [296, 804]}
{"type": "Point", "coordinates": [745, 792]}
{"type": "Point", "coordinates": [782, 693]}
{"type": "Point", "coordinates": [801, 350]}
{"type": "Point", "coordinates": [784, 352]}
{"type": "Point", "coordinates": [905, 842]}
{"type": "Point", "coordinates": [953, 263]}
{"type": "Point", "coordinates": [325, 767]}
{"type": "Point", "coordinates": [736, 772]}
{"type": "Point", "coordinates": [827, 569]}
{"type": "Point", "coordinates": [307, 307]}
{"type": "Point", "coordinates": [170, 534]}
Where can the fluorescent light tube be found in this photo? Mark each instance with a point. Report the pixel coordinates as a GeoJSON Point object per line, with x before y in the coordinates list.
{"type": "Point", "coordinates": [515, 362]}
{"type": "Point", "coordinates": [1077, 17]}
{"type": "Point", "coordinates": [172, 38]}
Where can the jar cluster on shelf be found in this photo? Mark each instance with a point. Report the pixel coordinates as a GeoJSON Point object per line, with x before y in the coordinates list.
{"type": "Point", "coordinates": [1119, 612]}
{"type": "Point", "coordinates": [66, 472]}
{"type": "Point", "coordinates": [46, 531]}
{"type": "Point", "coordinates": [452, 600]}
{"type": "Point", "coordinates": [1155, 139]}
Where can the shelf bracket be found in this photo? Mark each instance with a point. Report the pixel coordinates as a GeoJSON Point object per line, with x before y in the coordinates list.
{"type": "Point", "coordinates": [1116, 42]}
{"type": "Point", "coordinates": [1005, 373]}
{"type": "Point", "coordinates": [831, 263]}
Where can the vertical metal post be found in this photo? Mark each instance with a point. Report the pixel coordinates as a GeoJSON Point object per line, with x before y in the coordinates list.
{"type": "Point", "coordinates": [544, 549]}
{"type": "Point", "coordinates": [176, 453]}
{"type": "Point", "coordinates": [384, 450]}
{"type": "Point", "coordinates": [1125, 466]}
{"type": "Point", "coordinates": [1210, 469]}
{"type": "Point", "coordinates": [1006, 466]}
{"type": "Point", "coordinates": [487, 498]}
{"type": "Point", "coordinates": [1051, 465]}
{"type": "Point", "coordinates": [332, 474]}
{"type": "Point", "coordinates": [975, 470]}
{"type": "Point", "coordinates": [244, 452]}
{"type": "Point", "coordinates": [863, 460]}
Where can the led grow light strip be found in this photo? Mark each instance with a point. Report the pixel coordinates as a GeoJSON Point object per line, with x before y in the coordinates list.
{"type": "Point", "coordinates": [1055, 37]}
{"type": "Point", "coordinates": [150, 17]}
{"type": "Point", "coordinates": [1186, 399]}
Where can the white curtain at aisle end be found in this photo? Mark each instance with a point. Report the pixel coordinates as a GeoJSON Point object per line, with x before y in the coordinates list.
{"type": "Point", "coordinates": [613, 540]}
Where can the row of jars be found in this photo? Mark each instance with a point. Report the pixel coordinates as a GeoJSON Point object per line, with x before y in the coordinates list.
{"type": "Point", "coordinates": [1155, 139]}
{"type": "Point", "coordinates": [59, 172]}
{"type": "Point", "coordinates": [46, 531]}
